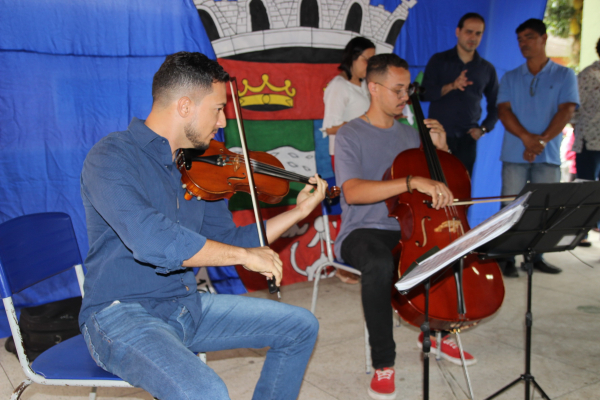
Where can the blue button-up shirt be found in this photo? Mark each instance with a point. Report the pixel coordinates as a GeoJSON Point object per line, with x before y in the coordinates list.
{"type": "Point", "coordinates": [141, 229]}
{"type": "Point", "coordinates": [534, 100]}
{"type": "Point", "coordinates": [458, 111]}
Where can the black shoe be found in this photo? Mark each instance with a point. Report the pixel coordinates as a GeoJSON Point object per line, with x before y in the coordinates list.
{"type": "Point", "coordinates": [584, 243]}
{"type": "Point", "coordinates": [509, 270]}
{"type": "Point", "coordinates": [543, 266]}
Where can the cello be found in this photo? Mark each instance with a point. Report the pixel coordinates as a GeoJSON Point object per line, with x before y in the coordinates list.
{"type": "Point", "coordinates": [471, 290]}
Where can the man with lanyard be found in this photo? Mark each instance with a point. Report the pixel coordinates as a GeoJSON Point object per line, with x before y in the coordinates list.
{"type": "Point", "coordinates": [535, 102]}
{"type": "Point", "coordinates": [455, 82]}
{"type": "Point", "coordinates": [142, 316]}
{"type": "Point", "coordinates": [365, 148]}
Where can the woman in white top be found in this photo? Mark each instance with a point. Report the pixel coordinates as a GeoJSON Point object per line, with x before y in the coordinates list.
{"type": "Point", "coordinates": [346, 96]}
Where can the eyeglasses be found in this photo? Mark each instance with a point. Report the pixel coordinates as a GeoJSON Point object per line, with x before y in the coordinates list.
{"type": "Point", "coordinates": [400, 93]}
{"type": "Point", "coordinates": [533, 86]}
{"type": "Point", "coordinates": [366, 58]}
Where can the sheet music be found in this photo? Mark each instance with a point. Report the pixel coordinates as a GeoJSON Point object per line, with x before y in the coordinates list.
{"type": "Point", "coordinates": [489, 229]}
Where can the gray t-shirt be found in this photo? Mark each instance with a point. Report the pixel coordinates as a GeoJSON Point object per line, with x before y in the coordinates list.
{"type": "Point", "coordinates": [365, 152]}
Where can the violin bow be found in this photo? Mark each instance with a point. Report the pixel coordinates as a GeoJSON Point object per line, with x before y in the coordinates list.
{"type": "Point", "coordinates": [262, 235]}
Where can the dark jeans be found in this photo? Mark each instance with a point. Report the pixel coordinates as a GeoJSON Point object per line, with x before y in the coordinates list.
{"type": "Point", "coordinates": [465, 149]}
{"type": "Point", "coordinates": [370, 251]}
{"type": "Point", "coordinates": [588, 164]}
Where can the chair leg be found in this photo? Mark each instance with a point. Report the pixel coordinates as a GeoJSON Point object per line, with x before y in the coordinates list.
{"type": "Point", "coordinates": [317, 278]}
{"type": "Point", "coordinates": [16, 395]}
{"type": "Point", "coordinates": [367, 351]}
{"type": "Point", "coordinates": [93, 393]}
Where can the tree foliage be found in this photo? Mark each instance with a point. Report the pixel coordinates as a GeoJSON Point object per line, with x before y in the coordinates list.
{"type": "Point", "coordinates": [558, 17]}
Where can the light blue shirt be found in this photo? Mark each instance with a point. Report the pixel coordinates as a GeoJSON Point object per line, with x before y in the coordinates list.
{"type": "Point", "coordinates": [552, 86]}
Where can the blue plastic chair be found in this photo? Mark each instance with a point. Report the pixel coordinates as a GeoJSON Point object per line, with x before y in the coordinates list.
{"type": "Point", "coordinates": [33, 248]}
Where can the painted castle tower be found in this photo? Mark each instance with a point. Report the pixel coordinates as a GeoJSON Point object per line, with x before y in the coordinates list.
{"type": "Point", "coordinates": [252, 29]}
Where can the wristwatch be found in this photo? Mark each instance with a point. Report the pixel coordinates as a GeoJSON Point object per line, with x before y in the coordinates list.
{"type": "Point", "coordinates": [483, 129]}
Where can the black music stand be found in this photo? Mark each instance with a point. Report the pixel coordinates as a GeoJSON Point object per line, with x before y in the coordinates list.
{"type": "Point", "coordinates": [557, 218]}
{"type": "Point", "coordinates": [435, 261]}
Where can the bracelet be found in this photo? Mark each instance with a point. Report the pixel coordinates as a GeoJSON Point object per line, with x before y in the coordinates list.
{"type": "Point", "coordinates": [408, 183]}
{"type": "Point", "coordinates": [543, 143]}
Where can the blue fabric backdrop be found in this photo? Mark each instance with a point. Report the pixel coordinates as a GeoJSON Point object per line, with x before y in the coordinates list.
{"type": "Point", "coordinates": [72, 72]}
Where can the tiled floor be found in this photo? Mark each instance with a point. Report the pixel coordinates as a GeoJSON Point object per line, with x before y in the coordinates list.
{"type": "Point", "coordinates": [565, 360]}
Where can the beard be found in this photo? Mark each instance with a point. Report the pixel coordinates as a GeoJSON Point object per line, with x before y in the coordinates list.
{"type": "Point", "coordinates": [468, 46]}
{"type": "Point", "coordinates": [194, 137]}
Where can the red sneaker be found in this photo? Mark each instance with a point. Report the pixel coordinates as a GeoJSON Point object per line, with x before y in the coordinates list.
{"type": "Point", "coordinates": [449, 351]}
{"type": "Point", "coordinates": [382, 385]}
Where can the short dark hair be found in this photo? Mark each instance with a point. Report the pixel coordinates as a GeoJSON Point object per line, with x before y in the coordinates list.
{"type": "Point", "coordinates": [471, 15]}
{"type": "Point", "coordinates": [536, 25]}
{"type": "Point", "coordinates": [185, 70]}
{"type": "Point", "coordinates": [598, 47]}
{"type": "Point", "coordinates": [379, 64]}
{"type": "Point", "coordinates": [352, 51]}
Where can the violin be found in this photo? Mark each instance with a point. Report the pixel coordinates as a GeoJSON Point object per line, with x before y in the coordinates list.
{"type": "Point", "coordinates": [217, 173]}
{"type": "Point", "coordinates": [472, 289]}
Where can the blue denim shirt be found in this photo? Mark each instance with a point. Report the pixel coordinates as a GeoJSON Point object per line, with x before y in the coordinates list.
{"type": "Point", "coordinates": [141, 229]}
{"type": "Point", "coordinates": [534, 100]}
{"type": "Point", "coordinates": [458, 111]}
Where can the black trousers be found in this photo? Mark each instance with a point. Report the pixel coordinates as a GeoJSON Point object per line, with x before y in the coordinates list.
{"type": "Point", "coordinates": [370, 251]}
{"type": "Point", "coordinates": [588, 164]}
{"type": "Point", "coordinates": [465, 149]}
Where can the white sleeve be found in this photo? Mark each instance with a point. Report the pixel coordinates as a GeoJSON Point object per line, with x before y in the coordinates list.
{"type": "Point", "coordinates": [336, 99]}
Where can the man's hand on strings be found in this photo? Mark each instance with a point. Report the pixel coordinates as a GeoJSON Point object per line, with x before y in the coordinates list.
{"type": "Point", "coordinates": [441, 196]}
{"type": "Point", "coordinates": [310, 197]}
{"type": "Point", "coordinates": [437, 133]}
{"type": "Point", "coordinates": [264, 261]}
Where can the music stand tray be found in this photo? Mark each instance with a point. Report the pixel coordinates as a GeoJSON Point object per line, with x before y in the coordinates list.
{"type": "Point", "coordinates": [437, 260]}
{"type": "Point", "coordinates": [558, 216]}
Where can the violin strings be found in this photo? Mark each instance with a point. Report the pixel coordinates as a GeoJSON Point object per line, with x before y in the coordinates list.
{"type": "Point", "coordinates": [280, 171]}
{"type": "Point", "coordinates": [268, 169]}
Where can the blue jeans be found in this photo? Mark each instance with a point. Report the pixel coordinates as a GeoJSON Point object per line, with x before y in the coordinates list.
{"type": "Point", "coordinates": [158, 356]}
{"type": "Point", "coordinates": [516, 175]}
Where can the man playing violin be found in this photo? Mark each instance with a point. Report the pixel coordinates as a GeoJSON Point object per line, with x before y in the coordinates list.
{"type": "Point", "coordinates": [142, 316]}
{"type": "Point", "coordinates": [365, 148]}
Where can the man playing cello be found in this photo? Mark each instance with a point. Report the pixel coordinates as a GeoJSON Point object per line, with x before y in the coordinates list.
{"type": "Point", "coordinates": [365, 148]}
